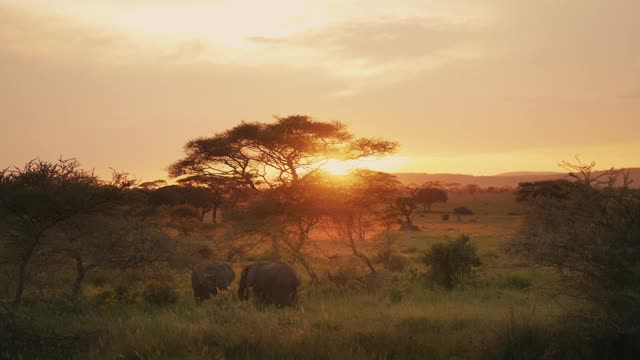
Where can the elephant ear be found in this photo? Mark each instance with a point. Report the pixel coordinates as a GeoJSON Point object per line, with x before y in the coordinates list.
{"type": "Point", "coordinates": [230, 274]}
{"type": "Point", "coordinates": [223, 280]}
{"type": "Point", "coordinates": [251, 275]}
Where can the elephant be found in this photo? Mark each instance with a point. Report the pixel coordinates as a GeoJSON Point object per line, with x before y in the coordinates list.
{"type": "Point", "coordinates": [208, 277]}
{"type": "Point", "coordinates": [271, 283]}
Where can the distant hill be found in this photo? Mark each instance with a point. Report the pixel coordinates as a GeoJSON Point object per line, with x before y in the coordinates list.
{"type": "Point", "coordinates": [530, 173]}
{"type": "Point", "coordinates": [506, 179]}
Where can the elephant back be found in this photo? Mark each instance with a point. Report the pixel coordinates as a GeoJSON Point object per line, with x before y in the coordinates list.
{"type": "Point", "coordinates": [280, 283]}
{"type": "Point", "coordinates": [221, 271]}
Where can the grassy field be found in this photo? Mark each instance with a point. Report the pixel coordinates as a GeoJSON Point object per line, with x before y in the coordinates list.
{"type": "Point", "coordinates": [505, 314]}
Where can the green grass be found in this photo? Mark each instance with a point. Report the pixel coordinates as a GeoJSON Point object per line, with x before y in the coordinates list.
{"type": "Point", "coordinates": [504, 314]}
{"type": "Point", "coordinates": [330, 323]}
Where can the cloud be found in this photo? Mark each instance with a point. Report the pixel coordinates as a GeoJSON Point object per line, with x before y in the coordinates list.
{"type": "Point", "coordinates": [34, 35]}
{"type": "Point", "coordinates": [379, 41]}
{"type": "Point", "coordinates": [372, 52]}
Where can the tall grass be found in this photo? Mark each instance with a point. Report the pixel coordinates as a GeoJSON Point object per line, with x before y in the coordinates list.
{"type": "Point", "coordinates": [331, 323]}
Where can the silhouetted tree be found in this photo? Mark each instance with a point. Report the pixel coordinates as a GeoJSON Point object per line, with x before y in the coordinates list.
{"type": "Point", "coordinates": [431, 195]}
{"type": "Point", "coordinates": [471, 188]}
{"type": "Point", "coordinates": [405, 204]}
{"type": "Point", "coordinates": [125, 238]}
{"type": "Point", "coordinates": [152, 185]}
{"type": "Point", "coordinates": [224, 193]}
{"type": "Point", "coordinates": [40, 196]}
{"type": "Point", "coordinates": [276, 156]}
{"type": "Point", "coordinates": [198, 199]}
{"type": "Point", "coordinates": [589, 231]}
{"type": "Point", "coordinates": [360, 207]}
{"type": "Point", "coordinates": [550, 189]}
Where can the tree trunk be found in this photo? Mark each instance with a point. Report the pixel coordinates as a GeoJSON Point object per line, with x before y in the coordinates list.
{"type": "Point", "coordinates": [214, 215]}
{"type": "Point", "coordinates": [365, 258]}
{"type": "Point", "coordinates": [81, 272]}
{"type": "Point", "coordinates": [429, 207]}
{"type": "Point", "coordinates": [77, 284]}
{"type": "Point", "coordinates": [275, 248]}
{"type": "Point", "coordinates": [408, 217]}
{"type": "Point", "coordinates": [312, 274]}
{"type": "Point", "coordinates": [362, 256]}
{"type": "Point", "coordinates": [22, 273]}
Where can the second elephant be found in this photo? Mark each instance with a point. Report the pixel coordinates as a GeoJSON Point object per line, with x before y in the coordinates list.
{"type": "Point", "coordinates": [270, 282]}
{"type": "Point", "coordinates": [208, 277]}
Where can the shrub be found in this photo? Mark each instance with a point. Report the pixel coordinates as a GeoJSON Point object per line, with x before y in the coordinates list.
{"type": "Point", "coordinates": [445, 217]}
{"type": "Point", "coordinates": [515, 282]}
{"type": "Point", "coordinates": [396, 263]}
{"type": "Point", "coordinates": [462, 211]}
{"type": "Point", "coordinates": [410, 250]}
{"type": "Point", "coordinates": [518, 339]}
{"type": "Point", "coordinates": [119, 295]}
{"type": "Point", "coordinates": [451, 263]}
{"type": "Point", "coordinates": [591, 235]}
{"type": "Point", "coordinates": [159, 294]}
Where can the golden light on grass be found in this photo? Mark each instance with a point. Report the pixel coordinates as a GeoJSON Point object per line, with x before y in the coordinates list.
{"type": "Point", "coordinates": [343, 167]}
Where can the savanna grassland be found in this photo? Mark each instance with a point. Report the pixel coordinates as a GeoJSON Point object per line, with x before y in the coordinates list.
{"type": "Point", "coordinates": [109, 268]}
{"type": "Point", "coordinates": [502, 313]}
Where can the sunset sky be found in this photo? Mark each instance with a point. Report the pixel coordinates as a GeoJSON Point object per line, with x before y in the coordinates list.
{"type": "Point", "coordinates": [479, 87]}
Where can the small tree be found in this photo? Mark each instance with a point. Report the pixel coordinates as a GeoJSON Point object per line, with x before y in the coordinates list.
{"type": "Point", "coordinates": [549, 189]}
{"type": "Point", "coordinates": [129, 237]}
{"type": "Point", "coordinates": [472, 188]}
{"type": "Point", "coordinates": [404, 206]}
{"type": "Point", "coordinates": [431, 195]}
{"type": "Point", "coordinates": [223, 193]}
{"type": "Point", "coordinates": [39, 197]}
{"type": "Point", "coordinates": [198, 199]}
{"type": "Point", "coordinates": [461, 211]}
{"type": "Point", "coordinates": [452, 263]}
{"type": "Point", "coordinates": [591, 236]}
{"type": "Point", "coordinates": [182, 216]}
{"type": "Point", "coordinates": [360, 208]}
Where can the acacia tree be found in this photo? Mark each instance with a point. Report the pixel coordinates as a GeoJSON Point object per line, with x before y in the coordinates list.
{"type": "Point", "coordinates": [591, 236]}
{"type": "Point", "coordinates": [271, 155]}
{"type": "Point", "coordinates": [550, 189]}
{"type": "Point", "coordinates": [277, 157]}
{"type": "Point", "coordinates": [224, 193]}
{"type": "Point", "coordinates": [405, 204]}
{"type": "Point", "coordinates": [360, 208]}
{"type": "Point", "coordinates": [198, 199]}
{"type": "Point", "coordinates": [428, 195]}
{"type": "Point", "coordinates": [126, 238]}
{"type": "Point", "coordinates": [40, 196]}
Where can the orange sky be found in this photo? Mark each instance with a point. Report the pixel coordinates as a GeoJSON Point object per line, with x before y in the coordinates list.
{"type": "Point", "coordinates": [477, 87]}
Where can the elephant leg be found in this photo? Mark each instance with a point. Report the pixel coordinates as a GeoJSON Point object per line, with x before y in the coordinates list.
{"type": "Point", "coordinates": [200, 294]}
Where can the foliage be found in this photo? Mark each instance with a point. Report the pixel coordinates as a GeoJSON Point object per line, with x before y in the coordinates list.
{"type": "Point", "coordinates": [274, 154]}
{"type": "Point", "coordinates": [39, 197]}
{"type": "Point", "coordinates": [451, 263]}
{"type": "Point", "coordinates": [550, 189]}
{"type": "Point", "coordinates": [360, 210]}
{"type": "Point", "coordinates": [428, 196]}
{"type": "Point", "coordinates": [118, 295]}
{"type": "Point", "coordinates": [462, 211]}
{"type": "Point", "coordinates": [159, 294]}
{"type": "Point", "coordinates": [591, 237]}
